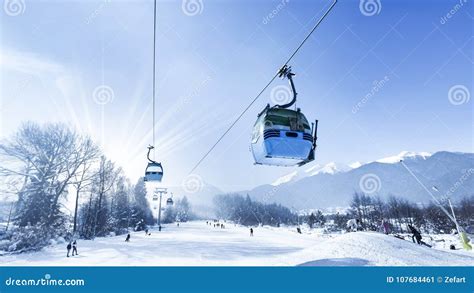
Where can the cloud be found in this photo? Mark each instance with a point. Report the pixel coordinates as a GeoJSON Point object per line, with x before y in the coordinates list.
{"type": "Point", "coordinates": [27, 63]}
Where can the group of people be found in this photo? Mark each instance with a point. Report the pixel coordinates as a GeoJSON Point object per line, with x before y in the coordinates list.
{"type": "Point", "coordinates": [354, 225]}
{"type": "Point", "coordinates": [216, 224]}
{"type": "Point", "coordinates": [72, 245]}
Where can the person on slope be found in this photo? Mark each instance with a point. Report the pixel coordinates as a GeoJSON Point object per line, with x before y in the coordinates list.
{"type": "Point", "coordinates": [74, 248]}
{"type": "Point", "coordinates": [251, 232]}
{"type": "Point", "coordinates": [128, 238]}
{"type": "Point", "coordinates": [68, 248]}
{"type": "Point", "coordinates": [385, 227]}
{"type": "Point", "coordinates": [416, 235]}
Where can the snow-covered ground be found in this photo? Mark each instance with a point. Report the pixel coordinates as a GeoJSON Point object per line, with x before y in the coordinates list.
{"type": "Point", "coordinates": [198, 244]}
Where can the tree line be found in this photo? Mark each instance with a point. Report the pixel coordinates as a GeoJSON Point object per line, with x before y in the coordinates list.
{"type": "Point", "coordinates": [42, 165]}
{"type": "Point", "coordinates": [399, 213]}
{"type": "Point", "coordinates": [242, 210]}
{"type": "Point", "coordinates": [369, 210]}
{"type": "Point", "coordinates": [180, 211]}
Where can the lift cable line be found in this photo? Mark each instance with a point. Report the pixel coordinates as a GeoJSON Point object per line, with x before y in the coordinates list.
{"type": "Point", "coordinates": [265, 87]}
{"type": "Point", "coordinates": [154, 71]}
{"type": "Point", "coordinates": [154, 170]}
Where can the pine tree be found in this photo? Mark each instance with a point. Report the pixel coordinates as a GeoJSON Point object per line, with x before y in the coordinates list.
{"type": "Point", "coordinates": [311, 220]}
{"type": "Point", "coordinates": [320, 219]}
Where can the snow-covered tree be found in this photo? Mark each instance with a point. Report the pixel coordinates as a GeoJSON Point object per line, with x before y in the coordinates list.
{"type": "Point", "coordinates": [142, 214]}
{"type": "Point", "coordinates": [183, 210]}
{"type": "Point", "coordinates": [244, 211]}
{"type": "Point", "coordinates": [46, 159]}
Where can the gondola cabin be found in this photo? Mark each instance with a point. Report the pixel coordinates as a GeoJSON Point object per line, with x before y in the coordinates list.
{"type": "Point", "coordinates": [282, 137]}
{"type": "Point", "coordinates": [154, 172]}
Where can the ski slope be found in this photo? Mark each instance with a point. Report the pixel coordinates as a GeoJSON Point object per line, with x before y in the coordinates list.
{"type": "Point", "coordinates": [198, 244]}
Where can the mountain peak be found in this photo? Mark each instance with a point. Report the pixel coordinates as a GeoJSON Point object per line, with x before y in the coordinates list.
{"type": "Point", "coordinates": [403, 156]}
{"type": "Point", "coordinates": [286, 178]}
{"type": "Point", "coordinates": [329, 168]}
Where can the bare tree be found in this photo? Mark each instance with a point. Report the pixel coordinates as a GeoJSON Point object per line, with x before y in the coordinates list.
{"type": "Point", "coordinates": [48, 157]}
{"type": "Point", "coordinates": [104, 180]}
{"type": "Point", "coordinates": [83, 181]}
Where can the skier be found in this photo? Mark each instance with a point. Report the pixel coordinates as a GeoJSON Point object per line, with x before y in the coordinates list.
{"type": "Point", "coordinates": [298, 229]}
{"type": "Point", "coordinates": [68, 248]}
{"type": "Point", "coordinates": [128, 238]}
{"type": "Point", "coordinates": [74, 248]}
{"type": "Point", "coordinates": [251, 232]}
{"type": "Point", "coordinates": [416, 235]}
{"type": "Point", "coordinates": [146, 231]}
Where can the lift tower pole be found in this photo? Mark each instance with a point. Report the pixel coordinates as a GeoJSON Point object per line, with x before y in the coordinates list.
{"type": "Point", "coordinates": [160, 192]}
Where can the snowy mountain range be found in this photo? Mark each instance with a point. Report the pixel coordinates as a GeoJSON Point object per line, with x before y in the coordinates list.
{"type": "Point", "coordinates": [333, 184]}
{"type": "Point", "coordinates": [333, 167]}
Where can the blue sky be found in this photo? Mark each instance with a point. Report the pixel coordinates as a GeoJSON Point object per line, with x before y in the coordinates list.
{"type": "Point", "coordinates": [210, 65]}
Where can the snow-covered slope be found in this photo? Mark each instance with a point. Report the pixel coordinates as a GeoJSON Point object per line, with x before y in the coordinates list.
{"type": "Point", "coordinates": [198, 244]}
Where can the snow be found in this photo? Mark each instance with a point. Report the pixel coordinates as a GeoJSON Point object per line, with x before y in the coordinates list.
{"type": "Point", "coordinates": [285, 179]}
{"type": "Point", "coordinates": [403, 156]}
{"type": "Point", "coordinates": [334, 168]}
{"type": "Point", "coordinates": [197, 244]}
{"type": "Point", "coordinates": [330, 168]}
{"type": "Point", "coordinates": [355, 165]}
